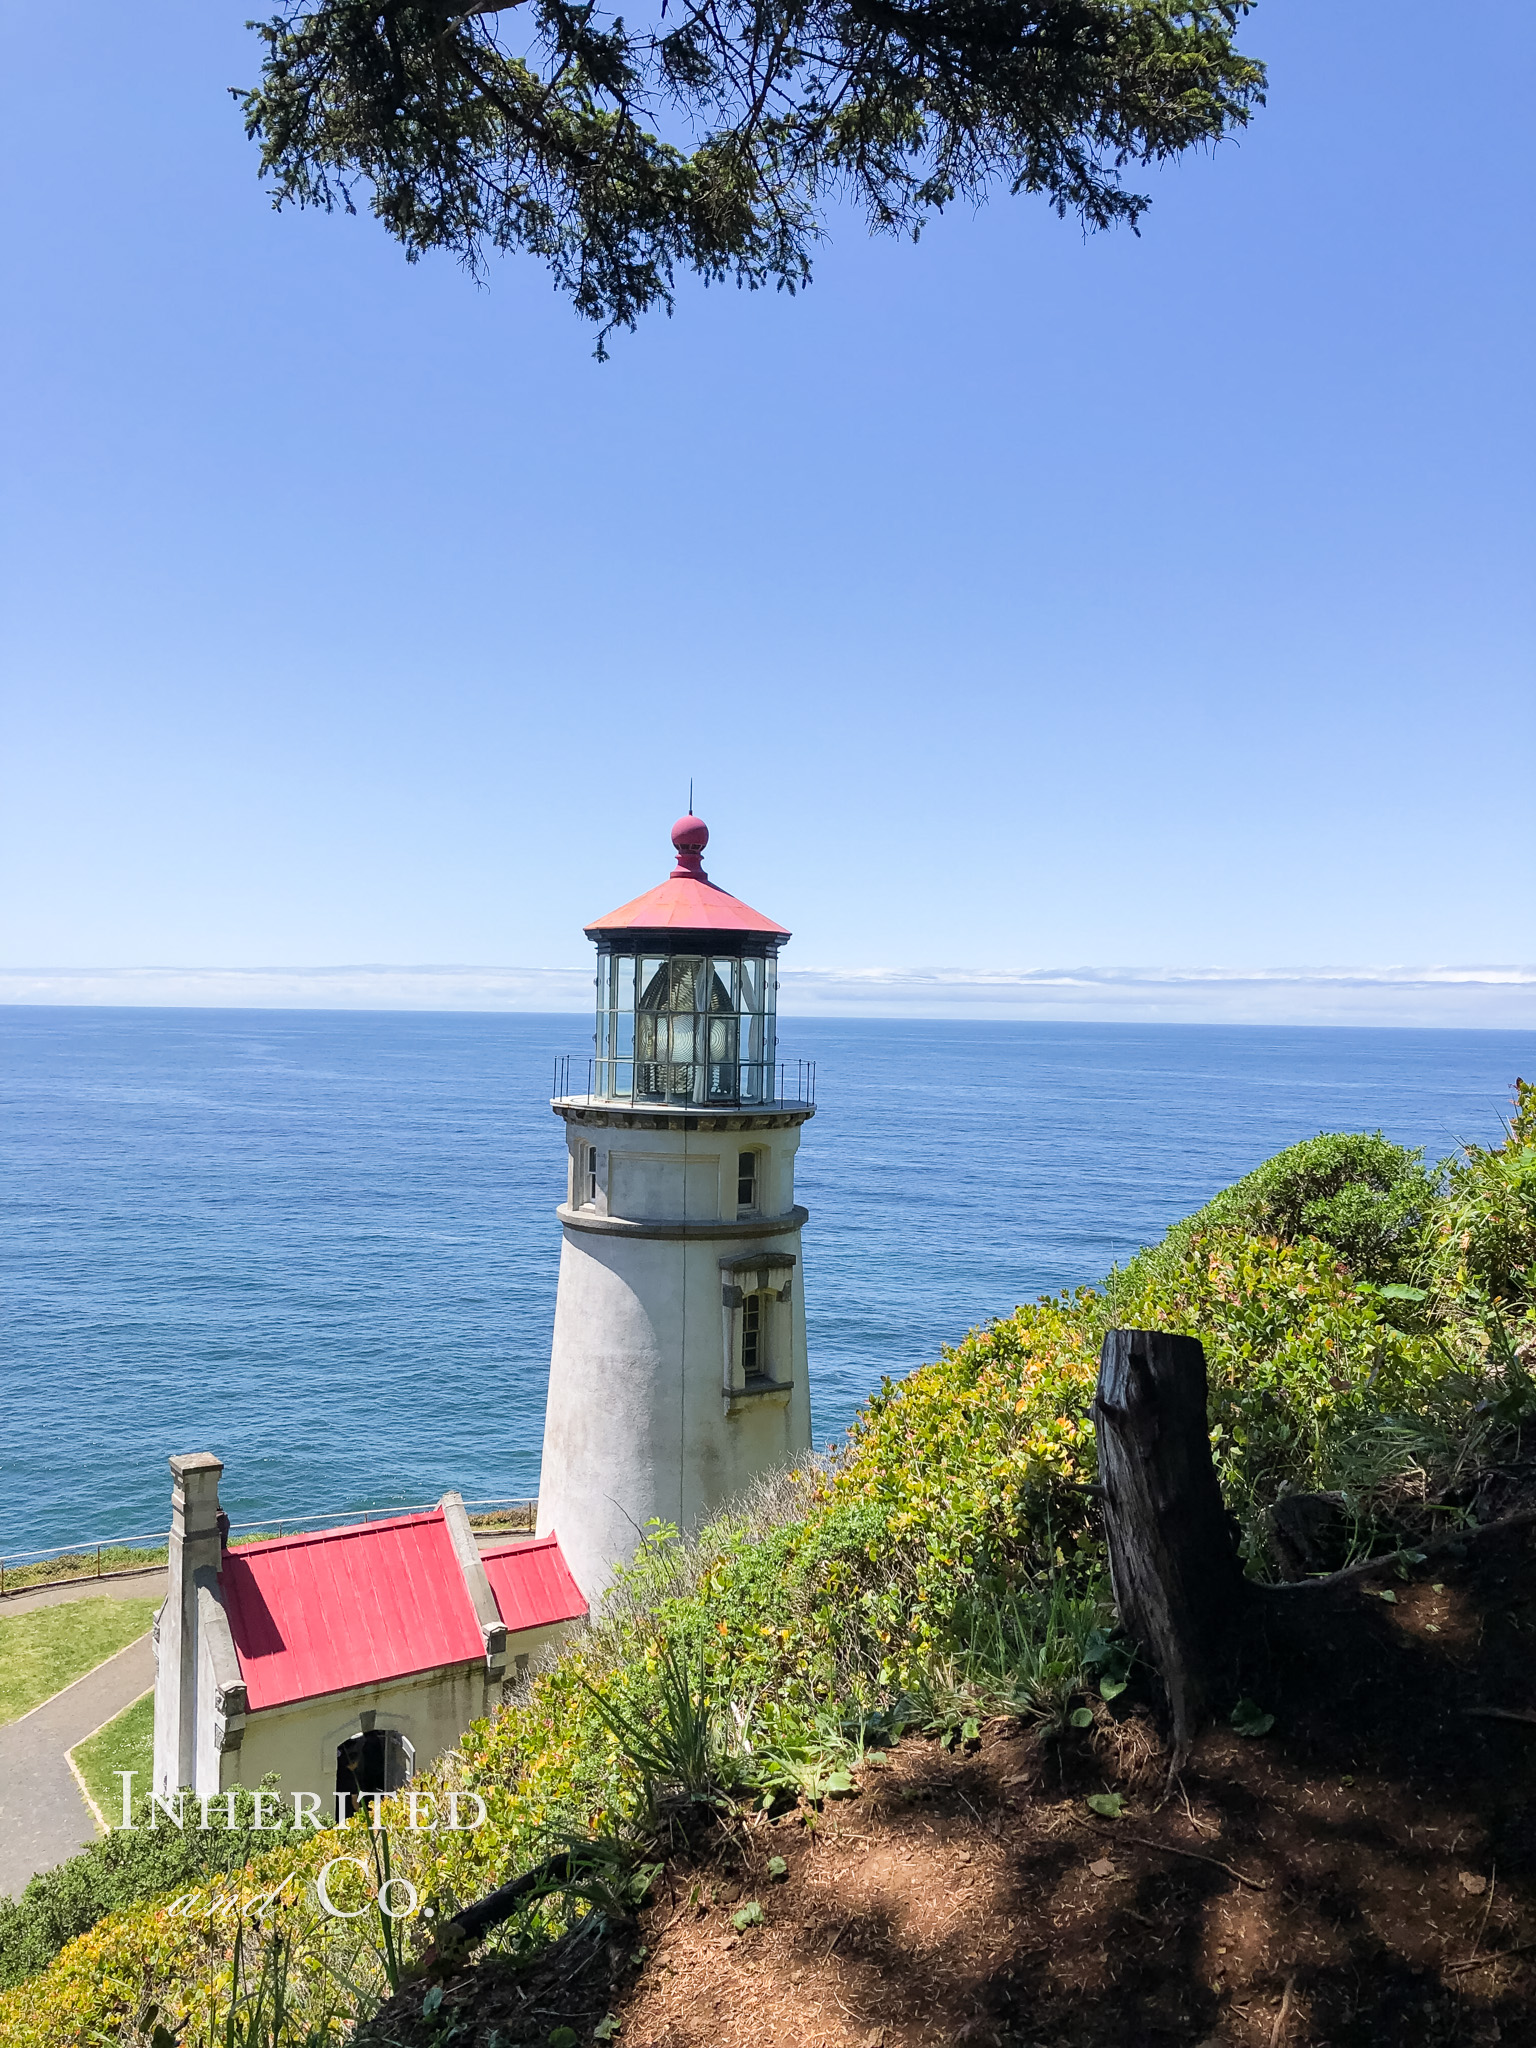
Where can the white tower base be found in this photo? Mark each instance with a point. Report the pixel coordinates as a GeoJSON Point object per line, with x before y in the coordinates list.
{"type": "Point", "coordinates": [678, 1371]}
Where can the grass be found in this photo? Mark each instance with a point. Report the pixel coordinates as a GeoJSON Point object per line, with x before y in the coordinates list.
{"type": "Point", "coordinates": [81, 1564]}
{"type": "Point", "coordinates": [125, 1743]}
{"type": "Point", "coordinates": [47, 1649]}
{"type": "Point", "coordinates": [85, 1564]}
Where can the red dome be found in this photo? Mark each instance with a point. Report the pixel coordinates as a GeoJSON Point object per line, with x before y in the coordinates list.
{"type": "Point", "coordinates": [688, 901]}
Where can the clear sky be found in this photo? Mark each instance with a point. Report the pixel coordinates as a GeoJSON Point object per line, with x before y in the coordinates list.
{"type": "Point", "coordinates": [1013, 600]}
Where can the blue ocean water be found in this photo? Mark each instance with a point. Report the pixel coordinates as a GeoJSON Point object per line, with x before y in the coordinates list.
{"type": "Point", "coordinates": [323, 1244]}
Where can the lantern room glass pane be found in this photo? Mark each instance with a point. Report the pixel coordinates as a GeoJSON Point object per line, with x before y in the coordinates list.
{"type": "Point", "coordinates": [697, 1028]}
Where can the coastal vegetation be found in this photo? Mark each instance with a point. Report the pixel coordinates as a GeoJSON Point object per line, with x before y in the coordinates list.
{"type": "Point", "coordinates": [1369, 1325]}
{"type": "Point", "coordinates": [98, 1562]}
{"type": "Point", "coordinates": [108, 1560]}
{"type": "Point", "coordinates": [47, 1648]}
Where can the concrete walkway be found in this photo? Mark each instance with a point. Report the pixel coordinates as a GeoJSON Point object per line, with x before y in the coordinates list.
{"type": "Point", "coordinates": [43, 1818]}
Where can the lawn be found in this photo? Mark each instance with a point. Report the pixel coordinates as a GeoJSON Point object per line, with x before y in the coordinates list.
{"type": "Point", "coordinates": [79, 1564]}
{"type": "Point", "coordinates": [126, 1743]}
{"type": "Point", "coordinates": [43, 1651]}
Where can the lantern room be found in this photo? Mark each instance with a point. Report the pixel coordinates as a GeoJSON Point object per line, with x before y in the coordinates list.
{"type": "Point", "coordinates": [687, 992]}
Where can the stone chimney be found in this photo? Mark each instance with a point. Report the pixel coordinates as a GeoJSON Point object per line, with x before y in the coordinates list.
{"type": "Point", "coordinates": [196, 1553]}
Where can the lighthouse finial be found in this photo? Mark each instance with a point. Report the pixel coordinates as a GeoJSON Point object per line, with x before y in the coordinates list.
{"type": "Point", "coordinates": [690, 836]}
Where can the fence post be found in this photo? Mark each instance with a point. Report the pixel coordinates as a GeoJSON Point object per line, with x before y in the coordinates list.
{"type": "Point", "coordinates": [98, 1560]}
{"type": "Point", "coordinates": [1173, 1559]}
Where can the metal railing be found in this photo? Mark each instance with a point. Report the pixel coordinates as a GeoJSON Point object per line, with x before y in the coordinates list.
{"type": "Point", "coordinates": [517, 1511]}
{"type": "Point", "coordinates": [681, 1084]}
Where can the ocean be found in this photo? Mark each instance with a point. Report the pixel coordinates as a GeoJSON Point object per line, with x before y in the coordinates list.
{"type": "Point", "coordinates": [323, 1244]}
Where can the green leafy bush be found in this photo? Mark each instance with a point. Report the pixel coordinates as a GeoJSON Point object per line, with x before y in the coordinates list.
{"type": "Point", "coordinates": [1368, 1200]}
{"type": "Point", "coordinates": [123, 1869]}
{"type": "Point", "coordinates": [1482, 1257]}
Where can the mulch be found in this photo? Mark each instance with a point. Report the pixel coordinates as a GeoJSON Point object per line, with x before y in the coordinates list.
{"type": "Point", "coordinates": [1364, 1873]}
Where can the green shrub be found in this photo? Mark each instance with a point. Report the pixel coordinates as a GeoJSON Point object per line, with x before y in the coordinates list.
{"type": "Point", "coordinates": [1368, 1200]}
{"type": "Point", "coordinates": [123, 1869]}
{"type": "Point", "coordinates": [1483, 1247]}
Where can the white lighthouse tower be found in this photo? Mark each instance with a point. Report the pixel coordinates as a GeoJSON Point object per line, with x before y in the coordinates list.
{"type": "Point", "coordinates": [678, 1370]}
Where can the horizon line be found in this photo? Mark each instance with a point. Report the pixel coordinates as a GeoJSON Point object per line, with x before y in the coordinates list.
{"type": "Point", "coordinates": [1490, 995]}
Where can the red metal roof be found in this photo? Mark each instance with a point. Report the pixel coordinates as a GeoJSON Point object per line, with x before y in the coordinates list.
{"type": "Point", "coordinates": [319, 1614]}
{"type": "Point", "coordinates": [533, 1585]}
{"type": "Point", "coordinates": [686, 905]}
{"type": "Point", "coordinates": [688, 900]}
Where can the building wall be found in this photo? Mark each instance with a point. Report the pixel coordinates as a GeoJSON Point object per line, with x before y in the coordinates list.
{"type": "Point", "coordinates": [638, 1424]}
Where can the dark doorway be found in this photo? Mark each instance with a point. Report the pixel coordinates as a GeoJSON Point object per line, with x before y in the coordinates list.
{"type": "Point", "coordinates": [377, 1761]}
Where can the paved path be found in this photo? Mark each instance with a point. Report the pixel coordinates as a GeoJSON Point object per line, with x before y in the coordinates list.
{"type": "Point", "coordinates": [43, 1818]}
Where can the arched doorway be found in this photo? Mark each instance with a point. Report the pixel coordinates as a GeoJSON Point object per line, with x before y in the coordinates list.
{"type": "Point", "coordinates": [378, 1760]}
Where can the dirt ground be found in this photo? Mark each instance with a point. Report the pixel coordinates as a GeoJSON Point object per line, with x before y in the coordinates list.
{"type": "Point", "coordinates": [1364, 1873]}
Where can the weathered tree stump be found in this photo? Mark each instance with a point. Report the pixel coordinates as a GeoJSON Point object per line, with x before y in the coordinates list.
{"type": "Point", "coordinates": [1177, 1577]}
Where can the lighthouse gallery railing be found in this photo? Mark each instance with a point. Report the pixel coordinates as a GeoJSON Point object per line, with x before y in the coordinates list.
{"type": "Point", "coordinates": [727, 1084]}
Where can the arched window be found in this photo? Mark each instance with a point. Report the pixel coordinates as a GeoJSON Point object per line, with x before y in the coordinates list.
{"type": "Point", "coordinates": [378, 1760]}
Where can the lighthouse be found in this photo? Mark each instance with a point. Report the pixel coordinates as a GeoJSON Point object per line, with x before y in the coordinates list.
{"type": "Point", "coordinates": [678, 1369]}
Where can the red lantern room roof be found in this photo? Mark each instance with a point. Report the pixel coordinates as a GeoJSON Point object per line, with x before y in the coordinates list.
{"type": "Point", "coordinates": [687, 901]}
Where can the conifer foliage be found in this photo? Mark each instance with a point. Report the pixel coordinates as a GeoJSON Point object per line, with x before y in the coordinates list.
{"type": "Point", "coordinates": [713, 136]}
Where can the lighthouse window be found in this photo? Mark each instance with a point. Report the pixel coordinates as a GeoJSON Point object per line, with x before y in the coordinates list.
{"type": "Point", "coordinates": [591, 1164]}
{"type": "Point", "coordinates": [754, 1332]}
{"type": "Point", "coordinates": [746, 1182]}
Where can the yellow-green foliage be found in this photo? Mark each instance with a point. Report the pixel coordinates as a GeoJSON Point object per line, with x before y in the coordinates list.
{"type": "Point", "coordinates": [1310, 1383]}
{"type": "Point", "coordinates": [884, 1583]}
{"type": "Point", "coordinates": [1481, 1262]}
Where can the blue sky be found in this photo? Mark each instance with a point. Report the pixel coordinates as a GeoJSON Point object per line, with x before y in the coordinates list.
{"type": "Point", "coordinates": [1015, 601]}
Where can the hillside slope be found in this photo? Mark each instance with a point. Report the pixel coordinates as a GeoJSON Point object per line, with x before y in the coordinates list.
{"type": "Point", "coordinates": [1369, 1864]}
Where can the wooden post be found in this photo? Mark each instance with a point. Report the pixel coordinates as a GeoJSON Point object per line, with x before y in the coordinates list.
{"type": "Point", "coordinates": [1173, 1559]}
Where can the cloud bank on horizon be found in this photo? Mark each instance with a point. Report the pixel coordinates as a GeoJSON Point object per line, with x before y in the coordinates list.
{"type": "Point", "coordinates": [1471, 997]}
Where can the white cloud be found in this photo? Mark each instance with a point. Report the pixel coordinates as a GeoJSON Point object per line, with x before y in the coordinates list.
{"type": "Point", "coordinates": [1493, 997]}
{"type": "Point", "coordinates": [1484, 997]}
